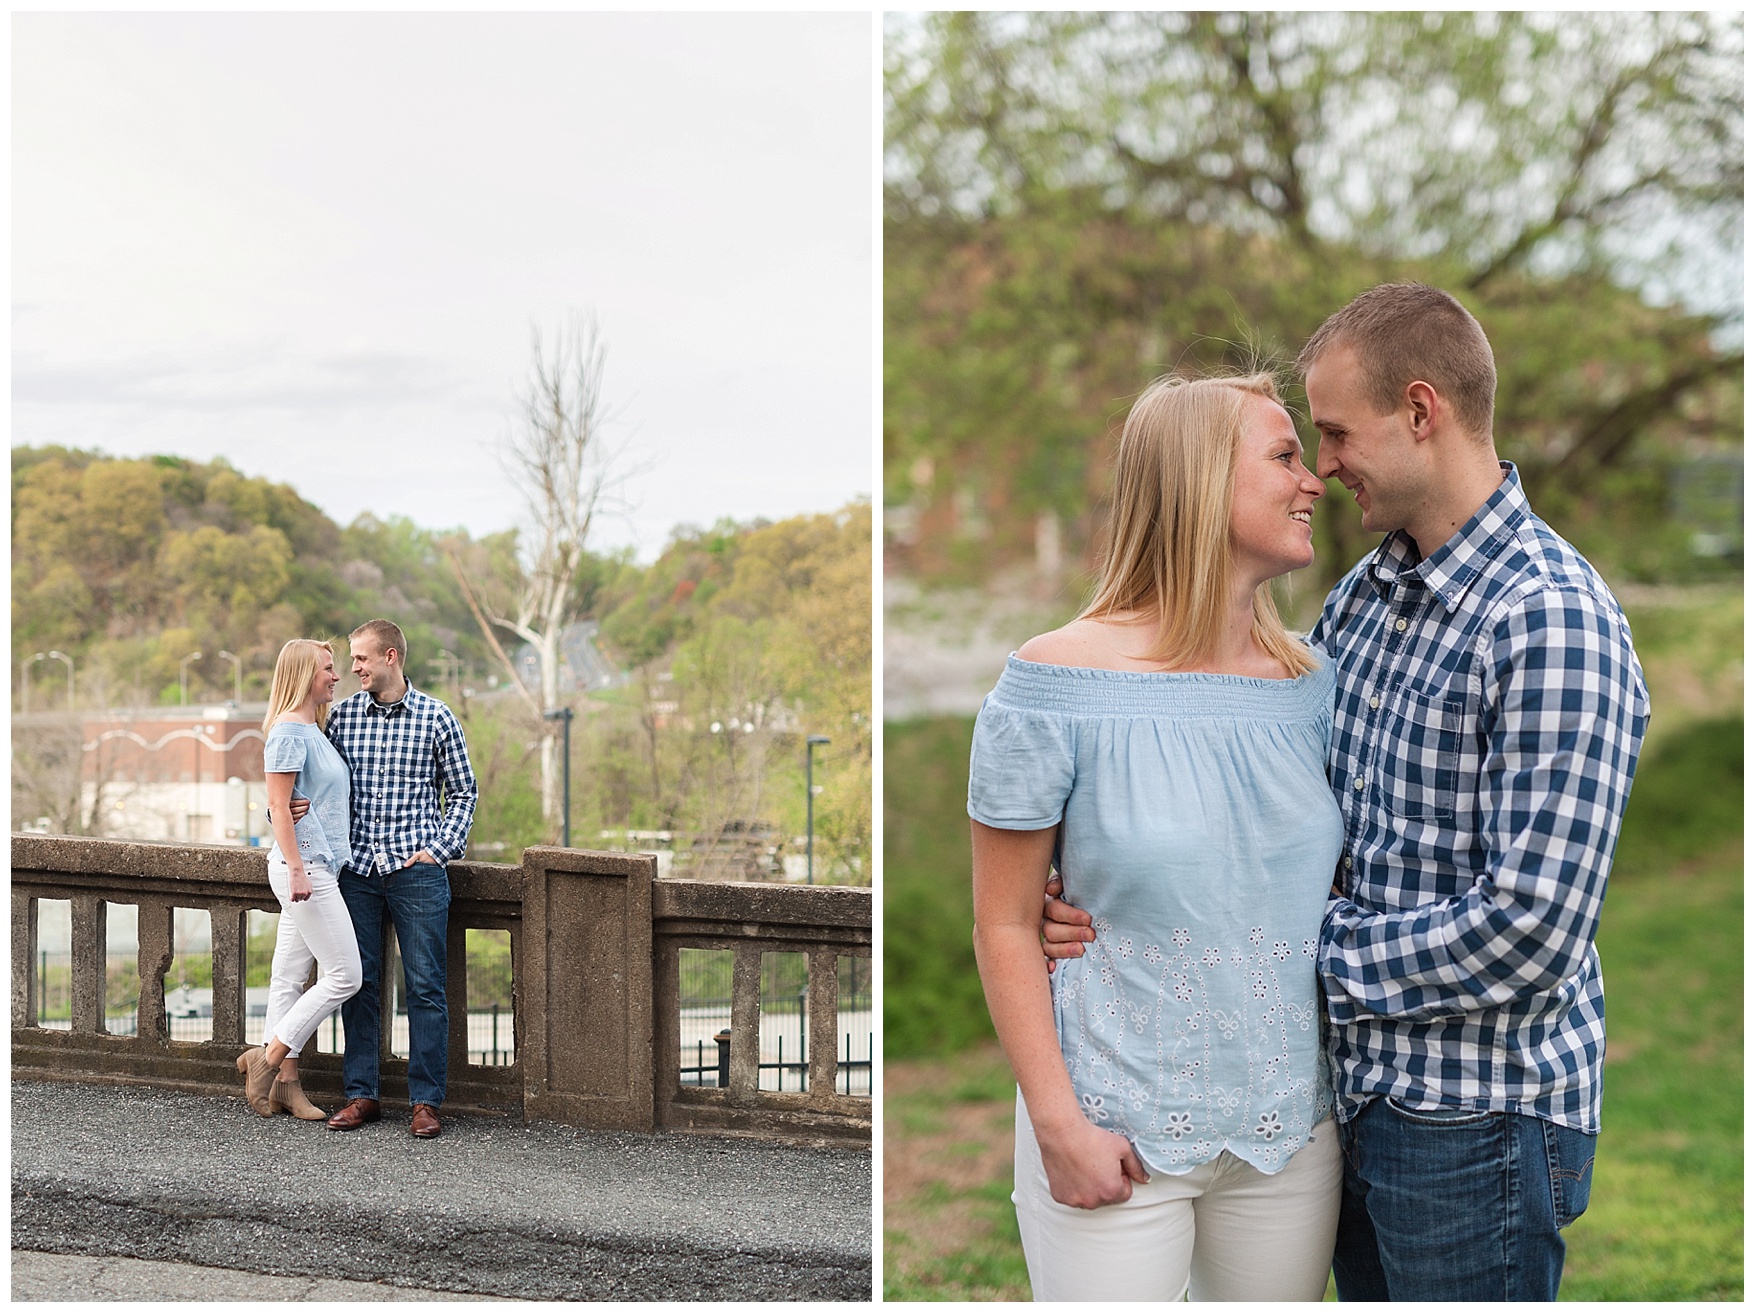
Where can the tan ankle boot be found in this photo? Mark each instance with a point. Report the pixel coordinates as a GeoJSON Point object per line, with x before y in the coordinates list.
{"type": "Point", "coordinates": [289, 1096]}
{"type": "Point", "coordinates": [258, 1080]}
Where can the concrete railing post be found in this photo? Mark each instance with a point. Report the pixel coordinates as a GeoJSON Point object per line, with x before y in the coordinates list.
{"type": "Point", "coordinates": [587, 976]}
{"type": "Point", "coordinates": [25, 1004]}
{"type": "Point", "coordinates": [228, 926]}
{"type": "Point", "coordinates": [457, 996]}
{"type": "Point", "coordinates": [156, 948]}
{"type": "Point", "coordinates": [825, 1001]}
{"type": "Point", "coordinates": [746, 1021]}
{"type": "Point", "coordinates": [90, 960]}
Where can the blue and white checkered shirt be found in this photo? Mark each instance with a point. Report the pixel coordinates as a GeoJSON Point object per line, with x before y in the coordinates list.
{"type": "Point", "coordinates": [1488, 718]}
{"type": "Point", "coordinates": [400, 754]}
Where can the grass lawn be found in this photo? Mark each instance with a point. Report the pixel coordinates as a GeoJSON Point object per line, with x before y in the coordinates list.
{"type": "Point", "coordinates": [1666, 1215]}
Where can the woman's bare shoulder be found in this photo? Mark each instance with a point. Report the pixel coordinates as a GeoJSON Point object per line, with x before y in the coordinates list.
{"type": "Point", "coordinates": [1080, 643]}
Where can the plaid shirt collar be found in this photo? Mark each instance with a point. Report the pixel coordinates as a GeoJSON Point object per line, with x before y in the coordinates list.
{"type": "Point", "coordinates": [389, 709]}
{"type": "Point", "coordinates": [1449, 571]}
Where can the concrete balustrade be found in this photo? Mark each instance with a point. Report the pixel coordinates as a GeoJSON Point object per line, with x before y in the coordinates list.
{"type": "Point", "coordinates": [595, 941]}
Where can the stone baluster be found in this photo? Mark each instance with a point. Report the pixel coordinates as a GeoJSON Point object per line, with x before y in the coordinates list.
{"type": "Point", "coordinates": [155, 959]}
{"type": "Point", "coordinates": [746, 1021]}
{"type": "Point", "coordinates": [25, 1004]}
{"type": "Point", "coordinates": [229, 926]}
{"type": "Point", "coordinates": [825, 1024]}
{"type": "Point", "coordinates": [90, 945]}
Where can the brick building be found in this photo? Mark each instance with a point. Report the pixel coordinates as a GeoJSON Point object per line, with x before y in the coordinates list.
{"type": "Point", "coordinates": [190, 774]}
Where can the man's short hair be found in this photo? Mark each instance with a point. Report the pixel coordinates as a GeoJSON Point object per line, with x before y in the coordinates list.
{"type": "Point", "coordinates": [386, 635]}
{"type": "Point", "coordinates": [1401, 332]}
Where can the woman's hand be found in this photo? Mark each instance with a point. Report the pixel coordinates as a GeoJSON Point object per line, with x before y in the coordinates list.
{"type": "Point", "coordinates": [301, 885]}
{"type": "Point", "coordinates": [1088, 1166]}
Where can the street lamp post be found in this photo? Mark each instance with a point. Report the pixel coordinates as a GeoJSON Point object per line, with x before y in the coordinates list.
{"type": "Point", "coordinates": [237, 677]}
{"type": "Point", "coordinates": [24, 671]}
{"type": "Point", "coordinates": [810, 809]}
{"type": "Point", "coordinates": [565, 716]}
{"type": "Point", "coordinates": [183, 675]}
{"type": "Point", "coordinates": [68, 662]}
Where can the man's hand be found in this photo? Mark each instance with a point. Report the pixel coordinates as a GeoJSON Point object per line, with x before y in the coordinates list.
{"type": "Point", "coordinates": [422, 856]}
{"type": "Point", "coordinates": [295, 809]}
{"type": "Point", "coordinates": [1065, 929]}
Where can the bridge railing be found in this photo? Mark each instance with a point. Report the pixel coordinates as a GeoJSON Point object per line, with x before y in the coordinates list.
{"type": "Point", "coordinates": [595, 943]}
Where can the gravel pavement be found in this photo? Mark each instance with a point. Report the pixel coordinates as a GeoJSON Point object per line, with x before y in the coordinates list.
{"type": "Point", "coordinates": [492, 1207]}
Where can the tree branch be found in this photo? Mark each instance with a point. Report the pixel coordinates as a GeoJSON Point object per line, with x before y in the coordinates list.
{"type": "Point", "coordinates": [1609, 433]}
{"type": "Point", "coordinates": [487, 630]}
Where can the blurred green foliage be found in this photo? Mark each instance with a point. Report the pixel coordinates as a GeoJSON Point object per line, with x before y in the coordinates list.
{"type": "Point", "coordinates": [1076, 204]}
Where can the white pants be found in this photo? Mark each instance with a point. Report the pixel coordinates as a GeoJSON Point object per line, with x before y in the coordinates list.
{"type": "Point", "coordinates": [1223, 1231]}
{"type": "Point", "coordinates": [319, 930]}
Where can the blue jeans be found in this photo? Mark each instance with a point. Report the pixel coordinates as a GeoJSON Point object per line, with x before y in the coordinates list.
{"type": "Point", "coordinates": [1453, 1204]}
{"type": "Point", "coordinates": [418, 899]}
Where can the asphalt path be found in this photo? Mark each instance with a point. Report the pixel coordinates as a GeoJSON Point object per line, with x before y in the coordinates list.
{"type": "Point", "coordinates": [491, 1207]}
{"type": "Point", "coordinates": [64, 1278]}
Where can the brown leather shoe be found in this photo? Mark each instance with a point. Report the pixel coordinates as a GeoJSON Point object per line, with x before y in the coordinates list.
{"type": "Point", "coordinates": [355, 1115]}
{"type": "Point", "coordinates": [425, 1123]}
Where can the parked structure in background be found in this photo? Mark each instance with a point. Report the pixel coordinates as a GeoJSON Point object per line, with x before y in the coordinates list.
{"type": "Point", "coordinates": [186, 774]}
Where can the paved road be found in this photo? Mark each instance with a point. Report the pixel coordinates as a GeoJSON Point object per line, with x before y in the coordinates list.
{"type": "Point", "coordinates": [66, 1277]}
{"type": "Point", "coordinates": [492, 1207]}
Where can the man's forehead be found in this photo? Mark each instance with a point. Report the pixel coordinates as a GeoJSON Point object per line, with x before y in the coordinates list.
{"type": "Point", "coordinates": [1337, 365]}
{"type": "Point", "coordinates": [1331, 379]}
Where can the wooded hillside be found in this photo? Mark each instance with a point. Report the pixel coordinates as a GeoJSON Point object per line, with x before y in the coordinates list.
{"type": "Point", "coordinates": [129, 566]}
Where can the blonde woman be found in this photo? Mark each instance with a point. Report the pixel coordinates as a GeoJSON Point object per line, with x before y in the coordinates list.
{"type": "Point", "coordinates": [1165, 751]}
{"type": "Point", "coordinates": [303, 869]}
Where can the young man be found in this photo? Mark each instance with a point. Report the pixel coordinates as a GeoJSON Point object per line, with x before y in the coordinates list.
{"type": "Point", "coordinates": [1489, 715]}
{"type": "Point", "coordinates": [402, 747]}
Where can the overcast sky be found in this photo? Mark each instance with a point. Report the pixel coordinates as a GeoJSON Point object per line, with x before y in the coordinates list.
{"type": "Point", "coordinates": [316, 244]}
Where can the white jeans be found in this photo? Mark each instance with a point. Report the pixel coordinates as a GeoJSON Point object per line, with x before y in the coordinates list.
{"type": "Point", "coordinates": [1223, 1231]}
{"type": "Point", "coordinates": [319, 930]}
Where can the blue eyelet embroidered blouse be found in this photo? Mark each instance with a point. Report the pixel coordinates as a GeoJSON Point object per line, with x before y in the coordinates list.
{"type": "Point", "coordinates": [323, 777]}
{"type": "Point", "coordinates": [1200, 832]}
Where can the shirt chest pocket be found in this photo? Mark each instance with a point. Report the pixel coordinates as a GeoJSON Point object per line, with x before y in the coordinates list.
{"type": "Point", "coordinates": [1418, 756]}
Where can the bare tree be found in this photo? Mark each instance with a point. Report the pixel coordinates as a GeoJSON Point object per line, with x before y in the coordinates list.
{"type": "Point", "coordinates": [559, 458]}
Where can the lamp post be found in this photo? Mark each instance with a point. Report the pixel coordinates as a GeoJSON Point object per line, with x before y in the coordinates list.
{"type": "Point", "coordinates": [183, 675]}
{"type": "Point", "coordinates": [565, 716]}
{"type": "Point", "coordinates": [810, 810]}
{"type": "Point", "coordinates": [24, 671]}
{"type": "Point", "coordinates": [68, 662]}
{"type": "Point", "coordinates": [237, 678]}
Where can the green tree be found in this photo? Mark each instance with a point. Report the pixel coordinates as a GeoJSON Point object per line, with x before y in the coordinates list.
{"type": "Point", "coordinates": [1075, 205]}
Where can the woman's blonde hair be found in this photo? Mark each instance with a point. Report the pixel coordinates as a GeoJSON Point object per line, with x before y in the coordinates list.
{"type": "Point", "coordinates": [294, 669]}
{"type": "Point", "coordinates": [1169, 542]}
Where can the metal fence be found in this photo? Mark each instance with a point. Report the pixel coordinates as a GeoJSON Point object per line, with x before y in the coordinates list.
{"type": "Point", "coordinates": [704, 999]}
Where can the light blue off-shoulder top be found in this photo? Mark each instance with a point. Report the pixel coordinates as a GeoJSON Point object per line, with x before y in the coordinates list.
{"type": "Point", "coordinates": [323, 778]}
{"type": "Point", "coordinates": [1199, 830]}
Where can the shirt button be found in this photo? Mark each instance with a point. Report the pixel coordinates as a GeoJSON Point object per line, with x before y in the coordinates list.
{"type": "Point", "coordinates": [1358, 783]}
{"type": "Point", "coordinates": [1375, 701]}
{"type": "Point", "coordinates": [1347, 861]}
{"type": "Point", "coordinates": [1401, 624]}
